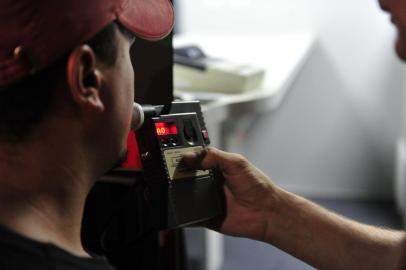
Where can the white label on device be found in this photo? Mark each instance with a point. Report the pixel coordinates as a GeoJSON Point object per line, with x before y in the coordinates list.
{"type": "Point", "coordinates": [178, 171]}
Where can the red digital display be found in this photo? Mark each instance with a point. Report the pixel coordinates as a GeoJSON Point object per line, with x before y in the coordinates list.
{"type": "Point", "coordinates": [165, 128]}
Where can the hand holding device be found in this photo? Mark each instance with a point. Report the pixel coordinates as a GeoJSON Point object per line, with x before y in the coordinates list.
{"type": "Point", "coordinates": [249, 192]}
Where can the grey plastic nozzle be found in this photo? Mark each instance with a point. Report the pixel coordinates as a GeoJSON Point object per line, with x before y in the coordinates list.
{"type": "Point", "coordinates": [142, 112]}
{"type": "Point", "coordinates": [138, 116]}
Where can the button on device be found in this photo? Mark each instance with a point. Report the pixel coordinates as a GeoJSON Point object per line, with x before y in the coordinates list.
{"type": "Point", "coordinates": [164, 142]}
{"type": "Point", "coordinates": [205, 135]}
{"type": "Point", "coordinates": [174, 141]}
{"type": "Point", "coordinates": [189, 131]}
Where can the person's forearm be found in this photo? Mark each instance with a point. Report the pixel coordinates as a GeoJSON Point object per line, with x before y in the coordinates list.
{"type": "Point", "coordinates": [329, 241]}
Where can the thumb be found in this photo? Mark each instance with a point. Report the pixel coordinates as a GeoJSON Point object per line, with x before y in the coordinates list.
{"type": "Point", "coordinates": [212, 158]}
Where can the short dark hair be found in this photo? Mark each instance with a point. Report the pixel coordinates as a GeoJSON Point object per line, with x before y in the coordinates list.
{"type": "Point", "coordinates": [26, 103]}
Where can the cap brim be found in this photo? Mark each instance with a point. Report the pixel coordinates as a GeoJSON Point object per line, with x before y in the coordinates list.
{"type": "Point", "coordinates": [147, 19]}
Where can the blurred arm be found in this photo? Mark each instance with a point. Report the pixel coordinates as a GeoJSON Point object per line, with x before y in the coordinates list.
{"type": "Point", "coordinates": [329, 241]}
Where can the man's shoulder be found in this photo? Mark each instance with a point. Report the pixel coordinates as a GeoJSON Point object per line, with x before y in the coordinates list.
{"type": "Point", "coordinates": [19, 252]}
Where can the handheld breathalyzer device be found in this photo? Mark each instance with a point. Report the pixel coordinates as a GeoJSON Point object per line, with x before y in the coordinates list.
{"type": "Point", "coordinates": [177, 196]}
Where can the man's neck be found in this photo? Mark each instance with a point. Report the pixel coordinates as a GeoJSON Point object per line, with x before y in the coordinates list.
{"type": "Point", "coordinates": [41, 203]}
{"type": "Point", "coordinates": [39, 221]}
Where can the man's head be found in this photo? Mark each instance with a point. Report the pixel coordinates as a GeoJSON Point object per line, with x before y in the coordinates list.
{"type": "Point", "coordinates": [397, 9]}
{"type": "Point", "coordinates": [25, 103]}
{"type": "Point", "coordinates": [69, 61]}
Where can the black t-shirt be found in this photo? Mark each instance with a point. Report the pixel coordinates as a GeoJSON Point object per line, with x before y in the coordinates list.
{"type": "Point", "coordinates": [20, 253]}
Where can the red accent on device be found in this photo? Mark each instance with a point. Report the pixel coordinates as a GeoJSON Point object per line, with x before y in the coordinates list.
{"type": "Point", "coordinates": [205, 134]}
{"type": "Point", "coordinates": [133, 161]}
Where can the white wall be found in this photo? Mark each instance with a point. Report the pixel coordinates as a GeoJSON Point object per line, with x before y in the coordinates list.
{"type": "Point", "coordinates": [335, 133]}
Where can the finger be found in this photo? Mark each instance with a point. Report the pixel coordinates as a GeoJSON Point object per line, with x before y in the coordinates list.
{"type": "Point", "coordinates": [211, 158]}
{"type": "Point", "coordinates": [193, 160]}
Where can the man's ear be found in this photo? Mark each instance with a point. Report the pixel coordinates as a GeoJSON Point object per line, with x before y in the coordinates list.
{"type": "Point", "coordinates": [84, 79]}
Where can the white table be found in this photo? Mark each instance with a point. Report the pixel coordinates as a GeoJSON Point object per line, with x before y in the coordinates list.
{"type": "Point", "coordinates": [282, 56]}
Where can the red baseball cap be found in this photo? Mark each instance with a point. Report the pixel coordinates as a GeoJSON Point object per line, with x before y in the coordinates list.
{"type": "Point", "coordinates": [35, 33]}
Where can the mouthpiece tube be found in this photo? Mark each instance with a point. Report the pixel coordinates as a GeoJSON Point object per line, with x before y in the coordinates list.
{"type": "Point", "coordinates": [138, 116]}
{"type": "Point", "coordinates": [140, 112]}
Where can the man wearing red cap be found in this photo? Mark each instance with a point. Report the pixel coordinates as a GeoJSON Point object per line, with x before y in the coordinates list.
{"type": "Point", "coordinates": [66, 95]}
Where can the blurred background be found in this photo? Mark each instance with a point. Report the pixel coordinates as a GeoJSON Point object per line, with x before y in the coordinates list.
{"type": "Point", "coordinates": [335, 135]}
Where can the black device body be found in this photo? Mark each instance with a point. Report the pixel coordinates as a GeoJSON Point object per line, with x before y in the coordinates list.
{"type": "Point", "coordinates": [177, 196]}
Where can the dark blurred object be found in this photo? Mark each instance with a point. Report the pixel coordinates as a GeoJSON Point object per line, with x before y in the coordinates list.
{"type": "Point", "coordinates": [117, 226]}
{"type": "Point", "coordinates": [153, 66]}
{"type": "Point", "coordinates": [191, 56]}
